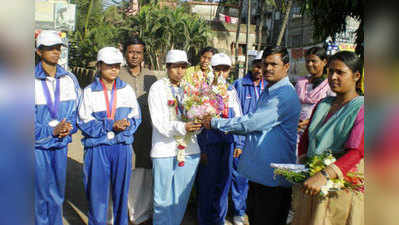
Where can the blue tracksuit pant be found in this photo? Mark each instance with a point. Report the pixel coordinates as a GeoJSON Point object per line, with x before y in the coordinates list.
{"type": "Point", "coordinates": [239, 191]}
{"type": "Point", "coordinates": [214, 182]}
{"type": "Point", "coordinates": [107, 166]}
{"type": "Point", "coordinates": [50, 178]}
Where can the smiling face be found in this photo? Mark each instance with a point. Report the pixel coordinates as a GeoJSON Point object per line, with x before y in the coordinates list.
{"type": "Point", "coordinates": [109, 72]}
{"type": "Point", "coordinates": [50, 54]}
{"type": "Point", "coordinates": [315, 65]}
{"type": "Point", "coordinates": [341, 78]}
{"type": "Point", "coordinates": [274, 68]}
{"type": "Point", "coordinates": [205, 59]}
{"type": "Point", "coordinates": [134, 55]}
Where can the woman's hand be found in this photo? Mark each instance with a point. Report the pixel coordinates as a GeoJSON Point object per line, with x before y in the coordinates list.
{"type": "Point", "coordinates": [314, 183]}
{"type": "Point", "coordinates": [121, 125]}
{"type": "Point", "coordinates": [303, 124]}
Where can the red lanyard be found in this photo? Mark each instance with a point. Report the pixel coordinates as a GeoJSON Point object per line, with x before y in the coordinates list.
{"type": "Point", "coordinates": [110, 112]}
{"type": "Point", "coordinates": [256, 90]}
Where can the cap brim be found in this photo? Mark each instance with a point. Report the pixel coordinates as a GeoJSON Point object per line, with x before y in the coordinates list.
{"type": "Point", "coordinates": [50, 45]}
{"type": "Point", "coordinates": [186, 62]}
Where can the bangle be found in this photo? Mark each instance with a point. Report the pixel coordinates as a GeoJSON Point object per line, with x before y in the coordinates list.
{"type": "Point", "coordinates": [325, 174]}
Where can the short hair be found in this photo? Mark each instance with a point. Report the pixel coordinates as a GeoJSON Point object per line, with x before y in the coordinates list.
{"type": "Point", "coordinates": [209, 49]}
{"type": "Point", "coordinates": [271, 50]}
{"type": "Point", "coordinates": [317, 51]}
{"type": "Point", "coordinates": [132, 41]}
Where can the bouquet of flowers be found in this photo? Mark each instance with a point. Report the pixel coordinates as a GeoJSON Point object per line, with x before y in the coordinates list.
{"type": "Point", "coordinates": [298, 173]}
{"type": "Point", "coordinates": [201, 99]}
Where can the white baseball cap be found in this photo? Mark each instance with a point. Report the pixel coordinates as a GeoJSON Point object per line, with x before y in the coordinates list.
{"type": "Point", "coordinates": [176, 56]}
{"type": "Point", "coordinates": [110, 55]}
{"type": "Point", "coordinates": [48, 38]}
{"type": "Point", "coordinates": [259, 55]}
{"type": "Point", "coordinates": [220, 59]}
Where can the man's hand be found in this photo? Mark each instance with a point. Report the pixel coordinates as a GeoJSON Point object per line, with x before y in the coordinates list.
{"type": "Point", "coordinates": [204, 159]}
{"type": "Point", "coordinates": [206, 122]}
{"type": "Point", "coordinates": [237, 152]}
{"type": "Point", "coordinates": [62, 129]}
{"type": "Point", "coordinates": [192, 127]}
{"type": "Point", "coordinates": [120, 125]}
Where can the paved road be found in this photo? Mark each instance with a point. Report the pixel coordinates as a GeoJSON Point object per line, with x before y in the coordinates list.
{"type": "Point", "coordinates": [76, 205]}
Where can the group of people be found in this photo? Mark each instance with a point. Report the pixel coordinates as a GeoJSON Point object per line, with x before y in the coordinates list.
{"type": "Point", "coordinates": [127, 111]}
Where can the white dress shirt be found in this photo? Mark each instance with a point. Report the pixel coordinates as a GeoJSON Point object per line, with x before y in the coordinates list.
{"type": "Point", "coordinates": [163, 128]}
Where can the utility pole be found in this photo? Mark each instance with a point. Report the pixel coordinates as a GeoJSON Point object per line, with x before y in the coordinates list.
{"type": "Point", "coordinates": [247, 41]}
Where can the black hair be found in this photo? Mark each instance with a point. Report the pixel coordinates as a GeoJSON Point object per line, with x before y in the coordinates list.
{"type": "Point", "coordinates": [132, 41]}
{"type": "Point", "coordinates": [209, 49]}
{"type": "Point", "coordinates": [352, 61]}
{"type": "Point", "coordinates": [271, 50]}
{"type": "Point", "coordinates": [317, 51]}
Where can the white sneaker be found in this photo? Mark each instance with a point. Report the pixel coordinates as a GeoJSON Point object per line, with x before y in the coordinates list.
{"type": "Point", "coordinates": [238, 220]}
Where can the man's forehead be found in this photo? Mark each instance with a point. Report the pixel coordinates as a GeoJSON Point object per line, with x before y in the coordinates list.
{"type": "Point", "coordinates": [136, 46]}
{"type": "Point", "coordinates": [273, 58]}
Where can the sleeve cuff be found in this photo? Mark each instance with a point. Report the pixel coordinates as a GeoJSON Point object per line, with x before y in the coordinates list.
{"type": "Point", "coordinates": [337, 170]}
{"type": "Point", "coordinates": [214, 122]}
{"type": "Point", "coordinates": [180, 128]}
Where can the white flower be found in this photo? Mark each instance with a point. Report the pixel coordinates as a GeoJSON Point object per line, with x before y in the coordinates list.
{"type": "Point", "coordinates": [329, 184]}
{"type": "Point", "coordinates": [324, 190]}
{"type": "Point", "coordinates": [328, 161]}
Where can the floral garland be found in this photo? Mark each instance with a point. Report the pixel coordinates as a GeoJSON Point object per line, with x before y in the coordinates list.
{"type": "Point", "coordinates": [174, 113]}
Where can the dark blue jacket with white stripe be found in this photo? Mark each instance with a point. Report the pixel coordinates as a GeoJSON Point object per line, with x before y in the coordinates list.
{"type": "Point", "coordinates": [69, 101]}
{"type": "Point", "coordinates": [93, 120]}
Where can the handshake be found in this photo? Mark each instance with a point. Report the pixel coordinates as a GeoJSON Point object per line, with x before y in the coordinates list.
{"type": "Point", "coordinates": [196, 125]}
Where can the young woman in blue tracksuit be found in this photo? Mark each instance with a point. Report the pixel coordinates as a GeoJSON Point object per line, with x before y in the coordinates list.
{"type": "Point", "coordinates": [57, 94]}
{"type": "Point", "coordinates": [108, 117]}
{"type": "Point", "coordinates": [249, 88]}
{"type": "Point", "coordinates": [215, 173]}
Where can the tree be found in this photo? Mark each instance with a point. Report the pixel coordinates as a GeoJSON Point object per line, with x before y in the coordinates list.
{"type": "Point", "coordinates": [165, 28]}
{"type": "Point", "coordinates": [285, 22]}
{"type": "Point", "coordinates": [329, 18]}
{"type": "Point", "coordinates": [96, 28]}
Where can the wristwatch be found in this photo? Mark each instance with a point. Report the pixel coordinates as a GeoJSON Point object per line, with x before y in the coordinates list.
{"type": "Point", "coordinates": [325, 174]}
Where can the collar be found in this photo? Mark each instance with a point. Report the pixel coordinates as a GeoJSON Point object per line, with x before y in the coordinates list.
{"type": "Point", "coordinates": [96, 85]}
{"type": "Point", "coordinates": [283, 82]}
{"type": "Point", "coordinates": [41, 74]}
{"type": "Point", "coordinates": [247, 80]}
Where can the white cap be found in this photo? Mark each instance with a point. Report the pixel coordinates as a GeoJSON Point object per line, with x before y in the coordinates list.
{"type": "Point", "coordinates": [110, 55]}
{"type": "Point", "coordinates": [48, 38]}
{"type": "Point", "coordinates": [220, 59]}
{"type": "Point", "coordinates": [259, 55]}
{"type": "Point", "coordinates": [176, 56]}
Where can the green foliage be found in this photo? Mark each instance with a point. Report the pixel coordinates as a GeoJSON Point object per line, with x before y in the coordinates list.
{"type": "Point", "coordinates": [96, 28]}
{"type": "Point", "coordinates": [329, 17]}
{"type": "Point", "coordinates": [161, 29]}
{"type": "Point", "coordinates": [165, 28]}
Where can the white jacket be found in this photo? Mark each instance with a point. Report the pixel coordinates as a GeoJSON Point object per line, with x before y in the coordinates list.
{"type": "Point", "coordinates": [163, 129]}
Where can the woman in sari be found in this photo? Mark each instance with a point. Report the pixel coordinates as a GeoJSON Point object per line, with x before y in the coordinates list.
{"type": "Point", "coordinates": [313, 87]}
{"type": "Point", "coordinates": [336, 125]}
